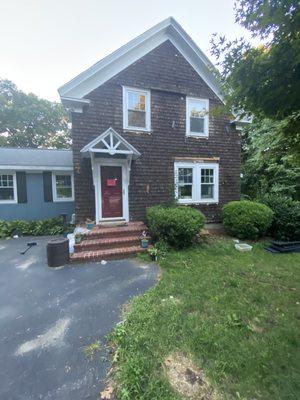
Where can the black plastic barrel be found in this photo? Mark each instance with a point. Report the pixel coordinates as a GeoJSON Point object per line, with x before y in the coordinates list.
{"type": "Point", "coordinates": [58, 252]}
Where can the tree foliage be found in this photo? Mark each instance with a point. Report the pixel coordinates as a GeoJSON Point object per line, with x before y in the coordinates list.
{"type": "Point", "coordinates": [263, 80]}
{"type": "Point", "coordinates": [29, 121]}
{"type": "Point", "coordinates": [271, 157]}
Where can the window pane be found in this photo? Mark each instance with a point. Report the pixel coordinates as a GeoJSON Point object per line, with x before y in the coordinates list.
{"type": "Point", "coordinates": [6, 193]}
{"type": "Point", "coordinates": [136, 101]}
{"type": "Point", "coordinates": [197, 125]}
{"type": "Point", "coordinates": [207, 176]}
{"type": "Point", "coordinates": [63, 186]}
{"type": "Point", "coordinates": [137, 119]}
{"type": "Point", "coordinates": [207, 191]}
{"type": "Point", "coordinates": [64, 193]}
{"type": "Point", "coordinates": [197, 108]}
{"type": "Point", "coordinates": [6, 180]}
{"type": "Point", "coordinates": [185, 175]}
{"type": "Point", "coordinates": [185, 192]}
{"type": "Point", "coordinates": [63, 180]}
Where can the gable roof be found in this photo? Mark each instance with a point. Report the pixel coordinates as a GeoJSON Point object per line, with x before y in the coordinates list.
{"type": "Point", "coordinates": [111, 142]}
{"type": "Point", "coordinates": [169, 29]}
{"type": "Point", "coordinates": [35, 159]}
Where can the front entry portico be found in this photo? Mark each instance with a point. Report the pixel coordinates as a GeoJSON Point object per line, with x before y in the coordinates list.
{"type": "Point", "coordinates": [111, 157]}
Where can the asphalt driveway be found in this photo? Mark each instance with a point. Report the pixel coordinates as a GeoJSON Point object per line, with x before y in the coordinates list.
{"type": "Point", "coordinates": [48, 317]}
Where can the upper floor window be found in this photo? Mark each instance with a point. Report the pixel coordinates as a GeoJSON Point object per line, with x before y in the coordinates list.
{"type": "Point", "coordinates": [136, 109]}
{"type": "Point", "coordinates": [8, 187]}
{"type": "Point", "coordinates": [197, 116]}
{"type": "Point", "coordinates": [63, 188]}
{"type": "Point", "coordinates": [196, 182]}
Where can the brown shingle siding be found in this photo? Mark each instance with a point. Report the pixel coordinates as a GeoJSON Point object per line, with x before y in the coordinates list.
{"type": "Point", "coordinates": [170, 78]}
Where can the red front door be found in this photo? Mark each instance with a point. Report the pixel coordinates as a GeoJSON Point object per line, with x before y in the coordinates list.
{"type": "Point", "coordinates": [111, 190]}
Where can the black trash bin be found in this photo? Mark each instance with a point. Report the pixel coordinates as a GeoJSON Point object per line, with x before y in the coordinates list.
{"type": "Point", "coordinates": [58, 252]}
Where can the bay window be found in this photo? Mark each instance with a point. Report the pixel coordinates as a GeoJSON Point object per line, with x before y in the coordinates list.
{"type": "Point", "coordinates": [196, 182]}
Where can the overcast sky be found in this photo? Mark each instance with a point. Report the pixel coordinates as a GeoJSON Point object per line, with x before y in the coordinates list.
{"type": "Point", "coordinates": [45, 43]}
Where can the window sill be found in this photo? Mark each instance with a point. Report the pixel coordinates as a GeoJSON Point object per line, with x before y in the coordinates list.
{"type": "Point", "coordinates": [196, 203]}
{"type": "Point", "coordinates": [63, 200]}
{"type": "Point", "coordinates": [8, 202]}
{"type": "Point", "coordinates": [132, 130]}
{"type": "Point", "coordinates": [197, 135]}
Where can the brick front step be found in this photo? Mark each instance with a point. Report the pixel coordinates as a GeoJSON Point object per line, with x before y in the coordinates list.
{"type": "Point", "coordinates": [108, 254]}
{"type": "Point", "coordinates": [130, 229]}
{"type": "Point", "coordinates": [107, 243]}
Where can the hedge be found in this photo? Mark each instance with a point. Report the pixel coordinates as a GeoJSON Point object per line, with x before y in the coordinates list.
{"type": "Point", "coordinates": [51, 226]}
{"type": "Point", "coordinates": [286, 222]}
{"type": "Point", "coordinates": [177, 226]}
{"type": "Point", "coordinates": [246, 219]}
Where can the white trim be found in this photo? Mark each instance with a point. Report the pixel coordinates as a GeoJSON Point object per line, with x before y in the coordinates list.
{"type": "Point", "coordinates": [96, 164]}
{"type": "Point", "coordinates": [13, 173]}
{"type": "Point", "coordinates": [196, 188]}
{"type": "Point", "coordinates": [75, 105]}
{"type": "Point", "coordinates": [110, 148]}
{"type": "Point", "coordinates": [169, 29]}
{"type": "Point", "coordinates": [54, 188]}
{"type": "Point", "coordinates": [188, 121]}
{"type": "Point", "coordinates": [34, 168]}
{"type": "Point", "coordinates": [126, 90]}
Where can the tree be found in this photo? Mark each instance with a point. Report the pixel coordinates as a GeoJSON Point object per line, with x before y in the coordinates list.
{"type": "Point", "coordinates": [29, 121]}
{"type": "Point", "coordinates": [263, 80]}
{"type": "Point", "coordinates": [271, 157]}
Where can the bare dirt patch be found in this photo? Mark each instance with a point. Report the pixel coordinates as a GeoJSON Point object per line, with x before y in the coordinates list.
{"type": "Point", "coordinates": [188, 380]}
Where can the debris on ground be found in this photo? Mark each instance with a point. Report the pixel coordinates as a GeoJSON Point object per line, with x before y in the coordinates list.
{"type": "Point", "coordinates": [188, 380]}
{"type": "Point", "coordinates": [243, 247]}
{"type": "Point", "coordinates": [171, 299]}
{"type": "Point", "coordinates": [284, 247]}
{"type": "Point", "coordinates": [107, 393]}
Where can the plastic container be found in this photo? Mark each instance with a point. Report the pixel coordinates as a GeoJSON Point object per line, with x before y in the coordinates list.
{"type": "Point", "coordinates": [90, 225]}
{"type": "Point", "coordinates": [144, 243]}
{"type": "Point", "coordinates": [243, 247]}
{"type": "Point", "coordinates": [58, 252]}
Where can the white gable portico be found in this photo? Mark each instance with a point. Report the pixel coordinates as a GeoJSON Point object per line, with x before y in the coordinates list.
{"type": "Point", "coordinates": [111, 157]}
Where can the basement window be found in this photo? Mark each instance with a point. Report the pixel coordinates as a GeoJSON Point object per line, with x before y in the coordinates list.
{"type": "Point", "coordinates": [136, 109]}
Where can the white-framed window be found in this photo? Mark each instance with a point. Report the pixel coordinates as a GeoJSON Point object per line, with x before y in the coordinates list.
{"type": "Point", "coordinates": [196, 182]}
{"type": "Point", "coordinates": [185, 183]}
{"type": "Point", "coordinates": [8, 187]}
{"type": "Point", "coordinates": [63, 186]}
{"type": "Point", "coordinates": [136, 109]}
{"type": "Point", "coordinates": [197, 121]}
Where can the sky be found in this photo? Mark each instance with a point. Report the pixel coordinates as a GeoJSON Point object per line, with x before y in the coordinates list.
{"type": "Point", "coordinates": [45, 43]}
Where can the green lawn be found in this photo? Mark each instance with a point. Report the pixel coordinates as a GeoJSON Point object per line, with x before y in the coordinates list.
{"type": "Point", "coordinates": [237, 315]}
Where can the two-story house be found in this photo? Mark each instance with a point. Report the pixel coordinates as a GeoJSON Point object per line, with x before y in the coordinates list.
{"type": "Point", "coordinates": [144, 130]}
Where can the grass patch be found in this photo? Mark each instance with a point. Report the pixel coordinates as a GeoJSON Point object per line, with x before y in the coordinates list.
{"type": "Point", "coordinates": [91, 350]}
{"type": "Point", "coordinates": [235, 315]}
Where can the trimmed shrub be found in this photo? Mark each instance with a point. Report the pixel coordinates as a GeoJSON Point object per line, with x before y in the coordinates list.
{"type": "Point", "coordinates": [247, 219]}
{"type": "Point", "coordinates": [51, 226]}
{"type": "Point", "coordinates": [177, 226]}
{"type": "Point", "coordinates": [286, 222]}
